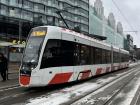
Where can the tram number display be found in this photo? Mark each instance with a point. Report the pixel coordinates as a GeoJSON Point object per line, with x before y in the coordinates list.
{"type": "Point", "coordinates": [38, 33]}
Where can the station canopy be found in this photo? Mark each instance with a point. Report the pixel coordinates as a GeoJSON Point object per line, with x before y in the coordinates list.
{"type": "Point", "coordinates": [19, 45]}
{"type": "Point", "coordinates": [6, 44]}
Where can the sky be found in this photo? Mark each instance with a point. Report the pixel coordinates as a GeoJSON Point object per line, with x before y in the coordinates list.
{"type": "Point", "coordinates": [131, 11]}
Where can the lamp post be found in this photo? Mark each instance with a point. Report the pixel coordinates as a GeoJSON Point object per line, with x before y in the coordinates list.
{"type": "Point", "coordinates": [20, 24]}
{"type": "Point", "coordinates": [20, 30]}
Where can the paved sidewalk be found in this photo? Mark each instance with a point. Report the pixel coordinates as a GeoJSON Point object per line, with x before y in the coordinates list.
{"type": "Point", "coordinates": [13, 73]}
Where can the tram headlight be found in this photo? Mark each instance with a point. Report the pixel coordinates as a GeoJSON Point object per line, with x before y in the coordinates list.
{"type": "Point", "coordinates": [33, 64]}
{"type": "Point", "coordinates": [29, 65]}
{"type": "Point", "coordinates": [25, 68]}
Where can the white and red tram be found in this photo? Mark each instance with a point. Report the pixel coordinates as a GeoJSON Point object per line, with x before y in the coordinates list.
{"type": "Point", "coordinates": [55, 55]}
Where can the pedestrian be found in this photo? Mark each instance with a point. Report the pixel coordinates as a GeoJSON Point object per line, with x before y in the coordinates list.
{"type": "Point", "coordinates": [3, 66]}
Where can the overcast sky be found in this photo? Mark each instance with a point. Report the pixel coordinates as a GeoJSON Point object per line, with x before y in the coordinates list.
{"type": "Point", "coordinates": [131, 11]}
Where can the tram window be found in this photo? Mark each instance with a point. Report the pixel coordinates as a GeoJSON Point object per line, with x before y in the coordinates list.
{"type": "Point", "coordinates": [52, 54]}
{"type": "Point", "coordinates": [58, 53]}
{"type": "Point", "coordinates": [84, 55]}
{"type": "Point", "coordinates": [123, 58]}
{"type": "Point", "coordinates": [115, 57]}
{"type": "Point", "coordinates": [108, 56]}
{"type": "Point", "coordinates": [67, 52]}
{"type": "Point", "coordinates": [103, 56]}
{"type": "Point", "coordinates": [92, 55]}
{"type": "Point", "coordinates": [98, 56]}
{"type": "Point", "coordinates": [118, 57]}
{"type": "Point", "coordinates": [76, 54]}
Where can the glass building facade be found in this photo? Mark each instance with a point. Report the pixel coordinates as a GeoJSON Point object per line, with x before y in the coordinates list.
{"type": "Point", "coordinates": [17, 17]}
{"type": "Point", "coordinates": [106, 27]}
{"type": "Point", "coordinates": [24, 13]}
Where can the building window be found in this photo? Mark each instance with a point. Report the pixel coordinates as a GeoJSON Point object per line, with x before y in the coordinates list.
{"type": "Point", "coordinates": [12, 11]}
{"type": "Point", "coordinates": [13, 2]}
{"type": "Point", "coordinates": [27, 15]}
{"type": "Point", "coordinates": [27, 5]}
{"type": "Point", "coordinates": [4, 1]}
{"type": "Point", "coordinates": [4, 10]}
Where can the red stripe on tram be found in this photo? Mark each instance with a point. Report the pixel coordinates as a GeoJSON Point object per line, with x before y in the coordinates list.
{"type": "Point", "coordinates": [24, 80]}
{"type": "Point", "coordinates": [99, 70]}
{"type": "Point", "coordinates": [85, 74]}
{"type": "Point", "coordinates": [61, 78]}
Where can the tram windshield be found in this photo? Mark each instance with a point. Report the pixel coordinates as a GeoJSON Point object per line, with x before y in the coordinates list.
{"type": "Point", "coordinates": [33, 47]}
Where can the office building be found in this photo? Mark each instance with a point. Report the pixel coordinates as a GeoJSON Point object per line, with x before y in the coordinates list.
{"type": "Point", "coordinates": [17, 17]}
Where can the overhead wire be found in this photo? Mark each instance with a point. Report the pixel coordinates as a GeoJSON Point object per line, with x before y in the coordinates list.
{"type": "Point", "coordinates": [125, 18]}
{"type": "Point", "coordinates": [122, 14]}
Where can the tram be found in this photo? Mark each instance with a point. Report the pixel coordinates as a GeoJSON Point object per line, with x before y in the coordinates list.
{"type": "Point", "coordinates": [55, 55]}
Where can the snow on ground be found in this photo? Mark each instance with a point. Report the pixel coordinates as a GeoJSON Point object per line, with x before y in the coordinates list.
{"type": "Point", "coordinates": [90, 100]}
{"type": "Point", "coordinates": [64, 95]}
{"type": "Point", "coordinates": [68, 94]}
{"type": "Point", "coordinates": [130, 95]}
{"type": "Point", "coordinates": [134, 64]}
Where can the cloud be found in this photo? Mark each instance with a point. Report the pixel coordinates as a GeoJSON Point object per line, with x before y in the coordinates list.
{"type": "Point", "coordinates": [133, 4]}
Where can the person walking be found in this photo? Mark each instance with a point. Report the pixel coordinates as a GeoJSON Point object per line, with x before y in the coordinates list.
{"type": "Point", "coordinates": [3, 66]}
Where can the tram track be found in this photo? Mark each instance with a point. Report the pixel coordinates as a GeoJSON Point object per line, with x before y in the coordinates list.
{"type": "Point", "coordinates": [132, 72]}
{"type": "Point", "coordinates": [119, 90]}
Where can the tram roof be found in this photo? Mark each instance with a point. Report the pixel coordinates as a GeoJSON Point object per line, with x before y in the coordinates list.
{"type": "Point", "coordinates": [81, 35]}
